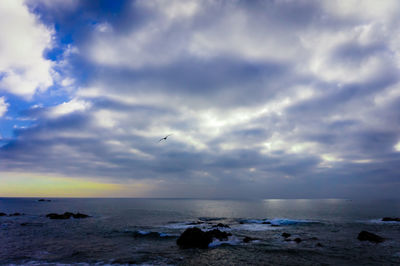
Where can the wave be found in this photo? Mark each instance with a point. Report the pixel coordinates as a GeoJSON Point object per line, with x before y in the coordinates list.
{"type": "Point", "coordinates": [277, 221]}
{"type": "Point", "coordinates": [209, 219]}
{"type": "Point", "coordinates": [142, 233]}
{"type": "Point", "coordinates": [185, 225]}
{"type": "Point", "coordinates": [232, 240]}
{"type": "Point", "coordinates": [254, 227]}
{"type": "Point", "coordinates": [379, 221]}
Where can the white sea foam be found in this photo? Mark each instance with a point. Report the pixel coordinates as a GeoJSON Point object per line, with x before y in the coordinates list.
{"type": "Point", "coordinates": [379, 221]}
{"type": "Point", "coordinates": [277, 221]}
{"type": "Point", "coordinates": [146, 233]}
{"type": "Point", "coordinates": [232, 240]}
{"type": "Point", "coordinates": [184, 225]}
{"type": "Point", "coordinates": [254, 227]}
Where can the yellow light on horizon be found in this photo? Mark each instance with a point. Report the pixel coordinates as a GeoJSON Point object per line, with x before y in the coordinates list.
{"type": "Point", "coordinates": [36, 185]}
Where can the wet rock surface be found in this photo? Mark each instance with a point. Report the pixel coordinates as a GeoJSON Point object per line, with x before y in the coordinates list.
{"type": "Point", "coordinates": [390, 219]}
{"type": "Point", "coordinates": [66, 215]}
{"type": "Point", "coordinates": [221, 225]}
{"type": "Point", "coordinates": [44, 200]}
{"type": "Point", "coordinates": [368, 236]}
{"type": "Point", "coordinates": [248, 239]}
{"type": "Point", "coordinates": [196, 238]}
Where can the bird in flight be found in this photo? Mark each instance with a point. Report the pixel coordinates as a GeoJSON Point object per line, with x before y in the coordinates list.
{"type": "Point", "coordinates": [165, 138]}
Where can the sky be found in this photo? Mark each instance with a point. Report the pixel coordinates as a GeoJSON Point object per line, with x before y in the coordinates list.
{"type": "Point", "coordinates": [264, 99]}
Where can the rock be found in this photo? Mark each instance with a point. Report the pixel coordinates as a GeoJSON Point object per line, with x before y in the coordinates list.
{"type": "Point", "coordinates": [266, 222]}
{"type": "Point", "coordinates": [221, 225]}
{"type": "Point", "coordinates": [31, 224]}
{"type": "Point", "coordinates": [15, 214]}
{"type": "Point", "coordinates": [3, 214]}
{"type": "Point", "coordinates": [248, 239]}
{"type": "Point", "coordinates": [367, 236]}
{"type": "Point", "coordinates": [80, 215]}
{"type": "Point", "coordinates": [44, 200]}
{"type": "Point", "coordinates": [66, 215]}
{"type": "Point", "coordinates": [196, 238]}
{"type": "Point", "coordinates": [297, 240]}
{"type": "Point", "coordinates": [319, 245]}
{"type": "Point", "coordinates": [286, 235]}
{"type": "Point", "coordinates": [56, 216]}
{"type": "Point", "coordinates": [390, 219]}
{"type": "Point", "coordinates": [219, 234]}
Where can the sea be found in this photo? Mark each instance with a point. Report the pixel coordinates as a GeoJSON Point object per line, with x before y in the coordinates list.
{"type": "Point", "coordinates": [142, 231]}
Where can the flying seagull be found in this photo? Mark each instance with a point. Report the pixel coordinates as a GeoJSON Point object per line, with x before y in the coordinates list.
{"type": "Point", "coordinates": [165, 138]}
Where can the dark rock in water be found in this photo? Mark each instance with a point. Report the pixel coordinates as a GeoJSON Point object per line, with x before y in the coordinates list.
{"type": "Point", "coordinates": [367, 236]}
{"type": "Point", "coordinates": [221, 225]}
{"type": "Point", "coordinates": [3, 214]}
{"type": "Point", "coordinates": [15, 214]}
{"type": "Point", "coordinates": [66, 215]}
{"type": "Point", "coordinates": [80, 215]}
{"type": "Point", "coordinates": [266, 222]}
{"type": "Point", "coordinates": [286, 235]}
{"type": "Point", "coordinates": [248, 239]}
{"type": "Point", "coordinates": [319, 245]}
{"type": "Point", "coordinates": [56, 216]}
{"type": "Point", "coordinates": [297, 240]}
{"type": "Point", "coordinates": [31, 224]}
{"type": "Point", "coordinates": [196, 238]}
{"type": "Point", "coordinates": [390, 219]}
{"type": "Point", "coordinates": [44, 200]}
{"type": "Point", "coordinates": [219, 234]}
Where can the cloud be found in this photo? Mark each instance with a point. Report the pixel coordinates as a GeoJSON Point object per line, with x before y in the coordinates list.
{"type": "Point", "coordinates": [24, 39]}
{"type": "Point", "coordinates": [263, 98]}
{"type": "Point", "coordinates": [3, 106]}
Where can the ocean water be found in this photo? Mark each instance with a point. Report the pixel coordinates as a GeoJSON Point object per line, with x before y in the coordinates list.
{"type": "Point", "coordinates": [144, 232]}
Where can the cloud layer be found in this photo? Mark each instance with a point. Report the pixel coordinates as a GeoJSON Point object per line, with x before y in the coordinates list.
{"type": "Point", "coordinates": [263, 98]}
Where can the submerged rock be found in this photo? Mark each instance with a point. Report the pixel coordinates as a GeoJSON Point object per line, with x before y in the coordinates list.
{"type": "Point", "coordinates": [248, 239]}
{"type": "Point", "coordinates": [196, 238]}
{"type": "Point", "coordinates": [31, 224]}
{"type": "Point", "coordinates": [390, 219]}
{"type": "Point", "coordinates": [297, 240]}
{"type": "Point", "coordinates": [367, 236]}
{"type": "Point", "coordinates": [44, 200]}
{"type": "Point", "coordinates": [3, 214]}
{"type": "Point", "coordinates": [286, 235]}
{"type": "Point", "coordinates": [80, 215]}
{"type": "Point", "coordinates": [66, 215]}
{"type": "Point", "coordinates": [221, 225]}
{"type": "Point", "coordinates": [15, 214]}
